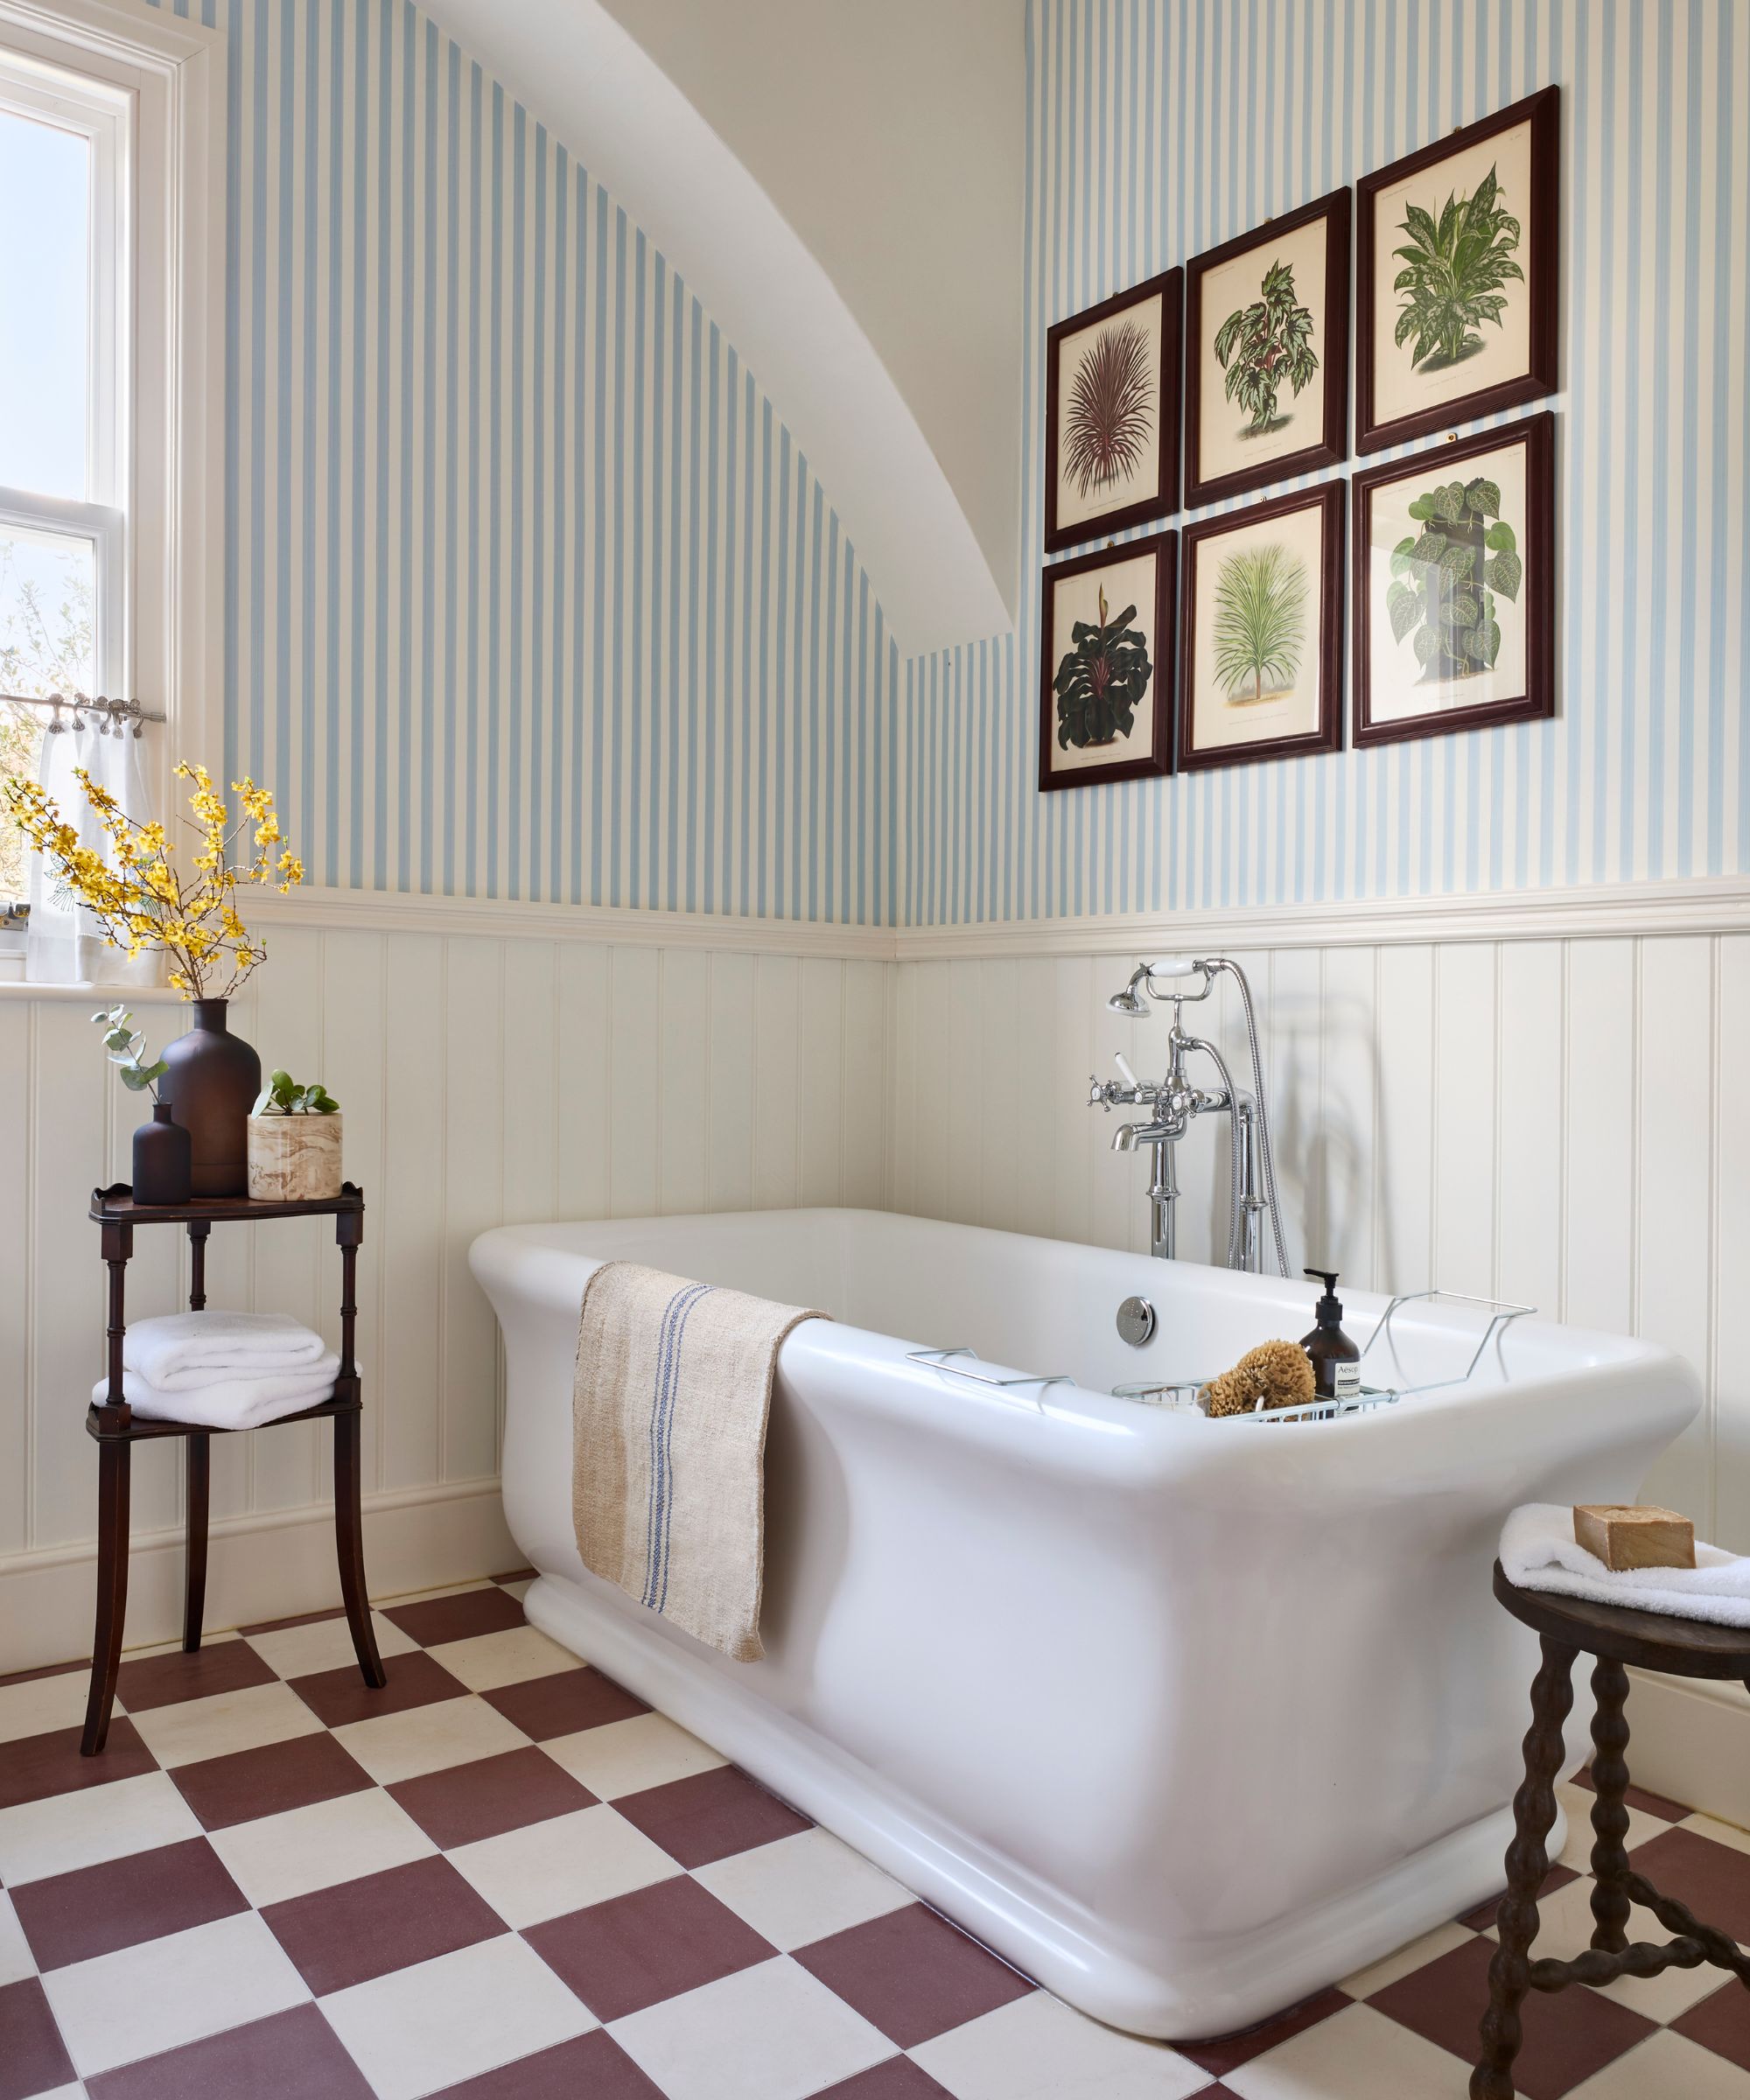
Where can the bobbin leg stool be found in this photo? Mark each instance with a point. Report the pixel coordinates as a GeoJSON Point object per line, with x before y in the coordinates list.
{"type": "Point", "coordinates": [1616, 1636]}
{"type": "Point", "coordinates": [116, 1429]}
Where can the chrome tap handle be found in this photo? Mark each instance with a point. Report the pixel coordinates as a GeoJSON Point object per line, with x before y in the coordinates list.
{"type": "Point", "coordinates": [1125, 1073]}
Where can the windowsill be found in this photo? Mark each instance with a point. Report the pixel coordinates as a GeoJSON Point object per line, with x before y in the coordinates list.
{"type": "Point", "coordinates": [13, 986]}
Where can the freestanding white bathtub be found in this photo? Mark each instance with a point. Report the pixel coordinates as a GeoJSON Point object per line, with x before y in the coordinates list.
{"type": "Point", "coordinates": [1184, 1717]}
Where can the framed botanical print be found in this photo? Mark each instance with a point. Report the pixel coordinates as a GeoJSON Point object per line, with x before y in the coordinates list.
{"type": "Point", "coordinates": [1455, 292]}
{"type": "Point", "coordinates": [1267, 354]}
{"type": "Point", "coordinates": [1111, 414]}
{"type": "Point", "coordinates": [1106, 661]}
{"type": "Point", "coordinates": [1260, 628]}
{"type": "Point", "coordinates": [1454, 586]}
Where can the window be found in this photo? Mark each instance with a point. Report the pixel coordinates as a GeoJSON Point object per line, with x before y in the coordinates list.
{"type": "Point", "coordinates": [112, 277]}
{"type": "Point", "coordinates": [64, 385]}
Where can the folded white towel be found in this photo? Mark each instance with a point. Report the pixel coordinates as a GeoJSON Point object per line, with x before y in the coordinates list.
{"type": "Point", "coordinates": [180, 1351]}
{"type": "Point", "coordinates": [1538, 1552]}
{"type": "Point", "coordinates": [242, 1401]}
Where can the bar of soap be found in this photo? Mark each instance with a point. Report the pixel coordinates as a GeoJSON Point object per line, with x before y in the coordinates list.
{"type": "Point", "coordinates": [1635, 1534]}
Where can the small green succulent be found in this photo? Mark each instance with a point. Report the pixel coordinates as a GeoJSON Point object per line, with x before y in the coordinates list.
{"type": "Point", "coordinates": [283, 1097]}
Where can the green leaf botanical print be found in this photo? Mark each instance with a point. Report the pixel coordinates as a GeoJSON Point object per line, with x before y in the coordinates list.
{"type": "Point", "coordinates": [1260, 620]}
{"type": "Point", "coordinates": [1111, 398]}
{"type": "Point", "coordinates": [1454, 269]}
{"type": "Point", "coordinates": [1266, 345]}
{"type": "Point", "coordinates": [1102, 680]}
{"type": "Point", "coordinates": [1446, 579]}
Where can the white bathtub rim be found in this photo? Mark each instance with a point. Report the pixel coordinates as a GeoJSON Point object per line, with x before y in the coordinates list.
{"type": "Point", "coordinates": [1250, 1977]}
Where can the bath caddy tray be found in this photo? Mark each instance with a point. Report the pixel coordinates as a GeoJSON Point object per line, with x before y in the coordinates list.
{"type": "Point", "coordinates": [1185, 1392]}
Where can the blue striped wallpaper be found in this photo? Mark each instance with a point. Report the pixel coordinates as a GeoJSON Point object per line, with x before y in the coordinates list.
{"type": "Point", "coordinates": [530, 594]}
{"type": "Point", "coordinates": [1154, 131]}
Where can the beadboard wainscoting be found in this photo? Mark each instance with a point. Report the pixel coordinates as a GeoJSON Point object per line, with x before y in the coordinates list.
{"type": "Point", "coordinates": [485, 1078]}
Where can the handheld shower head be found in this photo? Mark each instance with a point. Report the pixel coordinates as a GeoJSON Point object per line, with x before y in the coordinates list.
{"type": "Point", "coordinates": [1130, 1000]}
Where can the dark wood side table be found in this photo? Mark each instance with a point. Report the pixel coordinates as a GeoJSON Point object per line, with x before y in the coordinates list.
{"type": "Point", "coordinates": [116, 1429]}
{"type": "Point", "coordinates": [1617, 1635]}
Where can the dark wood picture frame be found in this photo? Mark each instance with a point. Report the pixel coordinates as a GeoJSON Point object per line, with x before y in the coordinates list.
{"type": "Point", "coordinates": [1170, 288]}
{"type": "Point", "coordinates": [1164, 655]}
{"type": "Point", "coordinates": [1327, 498]}
{"type": "Point", "coordinates": [1541, 222]}
{"type": "Point", "coordinates": [1537, 434]}
{"type": "Point", "coordinates": [1332, 447]}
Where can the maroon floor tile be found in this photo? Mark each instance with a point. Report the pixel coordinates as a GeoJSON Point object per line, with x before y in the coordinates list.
{"type": "Point", "coordinates": [1713, 1879]}
{"type": "Point", "coordinates": [459, 1618]}
{"type": "Point", "coordinates": [489, 1797]}
{"type": "Point", "coordinates": [912, 1974]}
{"type": "Point", "coordinates": [267, 1781]}
{"type": "Point", "coordinates": [897, 2079]}
{"type": "Point", "coordinates": [168, 1680]}
{"type": "Point", "coordinates": [1638, 1797]}
{"type": "Point", "coordinates": [1225, 2052]}
{"type": "Point", "coordinates": [1721, 2022]}
{"type": "Point", "coordinates": [361, 1928]}
{"type": "Point", "coordinates": [294, 2055]}
{"type": "Point", "coordinates": [33, 2057]}
{"type": "Point", "coordinates": [336, 1697]}
{"type": "Point", "coordinates": [1482, 1917]}
{"type": "Point", "coordinates": [35, 1767]}
{"type": "Point", "coordinates": [562, 1704]}
{"type": "Point", "coordinates": [593, 2066]}
{"type": "Point", "coordinates": [621, 1956]}
{"type": "Point", "coordinates": [1568, 2036]}
{"type": "Point", "coordinates": [96, 1909]}
{"type": "Point", "coordinates": [710, 1816]}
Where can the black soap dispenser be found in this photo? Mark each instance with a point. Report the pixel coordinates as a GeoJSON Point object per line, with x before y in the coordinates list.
{"type": "Point", "coordinates": [1336, 1361]}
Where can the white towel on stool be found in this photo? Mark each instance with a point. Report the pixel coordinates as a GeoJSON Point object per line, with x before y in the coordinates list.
{"type": "Point", "coordinates": [179, 1351]}
{"type": "Point", "coordinates": [239, 1400]}
{"type": "Point", "coordinates": [1539, 1551]}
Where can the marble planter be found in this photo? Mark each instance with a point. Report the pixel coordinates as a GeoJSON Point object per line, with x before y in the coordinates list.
{"type": "Point", "coordinates": [294, 1158]}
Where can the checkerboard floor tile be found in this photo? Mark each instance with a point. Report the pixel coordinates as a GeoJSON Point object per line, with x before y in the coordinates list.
{"type": "Point", "coordinates": [503, 1877]}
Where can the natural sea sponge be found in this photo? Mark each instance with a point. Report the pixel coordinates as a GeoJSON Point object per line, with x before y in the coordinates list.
{"type": "Point", "coordinates": [1279, 1371]}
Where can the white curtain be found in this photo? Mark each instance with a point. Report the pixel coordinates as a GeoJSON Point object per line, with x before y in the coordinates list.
{"type": "Point", "coordinates": [63, 943]}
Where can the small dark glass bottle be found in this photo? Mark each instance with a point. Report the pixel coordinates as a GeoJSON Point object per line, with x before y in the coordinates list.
{"type": "Point", "coordinates": [163, 1157]}
{"type": "Point", "coordinates": [1336, 1361]}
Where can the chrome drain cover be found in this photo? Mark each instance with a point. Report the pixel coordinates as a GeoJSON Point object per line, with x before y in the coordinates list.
{"type": "Point", "coordinates": [1137, 1321]}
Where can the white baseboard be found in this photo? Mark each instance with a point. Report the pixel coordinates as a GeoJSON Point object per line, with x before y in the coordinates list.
{"type": "Point", "coordinates": [1690, 1740]}
{"type": "Point", "coordinates": [264, 1567]}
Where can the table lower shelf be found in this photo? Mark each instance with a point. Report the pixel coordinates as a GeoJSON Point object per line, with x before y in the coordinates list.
{"type": "Point", "coordinates": [143, 1428]}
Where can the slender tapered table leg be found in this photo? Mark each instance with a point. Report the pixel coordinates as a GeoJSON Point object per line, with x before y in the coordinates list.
{"type": "Point", "coordinates": [114, 1471]}
{"type": "Point", "coordinates": [349, 1543]}
{"type": "Point", "coordinates": [1534, 1813]}
{"type": "Point", "coordinates": [199, 1474]}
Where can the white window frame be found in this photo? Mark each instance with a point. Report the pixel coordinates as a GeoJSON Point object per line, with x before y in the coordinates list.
{"type": "Point", "coordinates": [159, 456]}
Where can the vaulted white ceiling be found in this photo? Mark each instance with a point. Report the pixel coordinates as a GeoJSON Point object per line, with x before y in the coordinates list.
{"type": "Point", "coordinates": [840, 183]}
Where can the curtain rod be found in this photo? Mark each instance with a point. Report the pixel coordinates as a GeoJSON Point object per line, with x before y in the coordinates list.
{"type": "Point", "coordinates": [115, 713]}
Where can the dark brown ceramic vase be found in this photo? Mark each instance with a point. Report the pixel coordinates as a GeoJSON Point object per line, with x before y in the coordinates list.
{"type": "Point", "coordinates": [163, 1159]}
{"type": "Point", "coordinates": [212, 1084]}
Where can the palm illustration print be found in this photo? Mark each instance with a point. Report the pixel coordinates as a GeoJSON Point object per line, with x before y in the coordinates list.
{"type": "Point", "coordinates": [1267, 346]}
{"type": "Point", "coordinates": [1110, 414]}
{"type": "Point", "coordinates": [1454, 269]}
{"type": "Point", "coordinates": [1260, 620]}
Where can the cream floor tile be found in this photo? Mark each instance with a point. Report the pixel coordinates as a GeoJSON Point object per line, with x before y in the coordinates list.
{"type": "Point", "coordinates": [801, 1888]}
{"type": "Point", "coordinates": [43, 1704]}
{"type": "Point", "coordinates": [1416, 1956]}
{"type": "Point", "coordinates": [300, 1651]}
{"type": "Point", "coordinates": [162, 1993]}
{"type": "Point", "coordinates": [290, 1854]}
{"type": "Point", "coordinates": [1356, 2054]}
{"type": "Point", "coordinates": [624, 1757]}
{"type": "Point", "coordinates": [518, 1590]}
{"type": "Point", "coordinates": [1577, 1852]}
{"type": "Point", "coordinates": [771, 2033]}
{"type": "Point", "coordinates": [428, 1738]}
{"type": "Point", "coordinates": [448, 1589]}
{"type": "Point", "coordinates": [15, 1963]}
{"type": "Point", "coordinates": [1565, 1926]}
{"type": "Point", "coordinates": [69, 1831]}
{"type": "Point", "coordinates": [420, 2029]}
{"type": "Point", "coordinates": [488, 1660]}
{"type": "Point", "coordinates": [1666, 2066]}
{"type": "Point", "coordinates": [1036, 2048]}
{"type": "Point", "coordinates": [228, 1721]}
{"type": "Point", "coordinates": [565, 1864]}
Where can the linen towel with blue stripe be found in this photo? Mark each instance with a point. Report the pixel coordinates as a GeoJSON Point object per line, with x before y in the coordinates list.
{"type": "Point", "coordinates": [669, 1407]}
